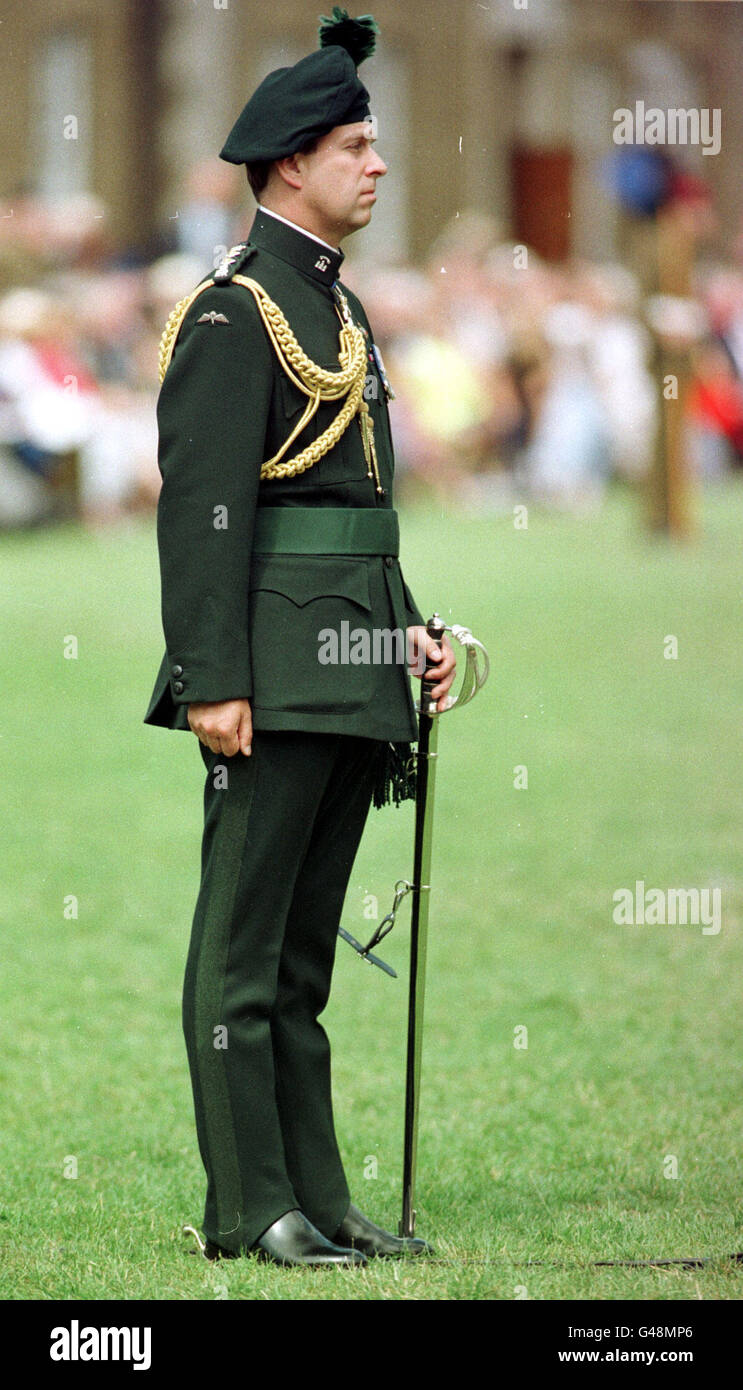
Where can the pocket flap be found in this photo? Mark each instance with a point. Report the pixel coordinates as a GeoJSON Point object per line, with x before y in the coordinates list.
{"type": "Point", "coordinates": [303, 578]}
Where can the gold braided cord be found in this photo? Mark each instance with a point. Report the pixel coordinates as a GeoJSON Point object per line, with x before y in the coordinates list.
{"type": "Point", "coordinates": [352, 354]}
{"type": "Point", "coordinates": [316, 382]}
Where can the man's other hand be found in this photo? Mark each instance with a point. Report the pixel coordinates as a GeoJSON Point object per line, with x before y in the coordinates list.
{"type": "Point", "coordinates": [225, 726]}
{"type": "Point", "coordinates": [438, 657]}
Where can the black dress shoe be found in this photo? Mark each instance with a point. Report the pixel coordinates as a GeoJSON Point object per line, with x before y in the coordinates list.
{"type": "Point", "coordinates": [293, 1240]}
{"type": "Point", "coordinates": [361, 1234]}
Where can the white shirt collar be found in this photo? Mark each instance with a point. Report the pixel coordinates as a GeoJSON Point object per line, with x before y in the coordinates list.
{"type": "Point", "coordinates": [297, 228]}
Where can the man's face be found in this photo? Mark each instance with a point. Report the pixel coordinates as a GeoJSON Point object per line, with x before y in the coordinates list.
{"type": "Point", "coordinates": [339, 179]}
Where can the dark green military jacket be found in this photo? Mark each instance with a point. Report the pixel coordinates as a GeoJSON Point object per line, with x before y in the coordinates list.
{"type": "Point", "coordinates": [241, 621]}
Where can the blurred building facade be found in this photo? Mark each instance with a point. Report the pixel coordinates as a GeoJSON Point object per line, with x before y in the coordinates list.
{"type": "Point", "coordinates": [492, 107]}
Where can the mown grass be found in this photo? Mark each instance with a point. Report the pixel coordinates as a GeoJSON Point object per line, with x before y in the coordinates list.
{"type": "Point", "coordinates": [554, 1153]}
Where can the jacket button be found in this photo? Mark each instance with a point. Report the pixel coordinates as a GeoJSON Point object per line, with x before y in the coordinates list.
{"type": "Point", "coordinates": [176, 670]}
{"type": "Point", "coordinates": [388, 560]}
{"type": "Point", "coordinates": [178, 687]}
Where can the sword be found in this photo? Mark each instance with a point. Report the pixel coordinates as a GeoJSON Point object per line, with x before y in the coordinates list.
{"type": "Point", "coordinates": [476, 672]}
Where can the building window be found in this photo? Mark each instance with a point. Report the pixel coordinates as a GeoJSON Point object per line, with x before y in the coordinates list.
{"type": "Point", "coordinates": [63, 116]}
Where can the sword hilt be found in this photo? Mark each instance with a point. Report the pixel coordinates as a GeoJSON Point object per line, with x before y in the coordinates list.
{"type": "Point", "coordinates": [476, 669]}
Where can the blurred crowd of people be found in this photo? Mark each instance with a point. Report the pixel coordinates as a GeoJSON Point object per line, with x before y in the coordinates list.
{"type": "Point", "coordinates": [513, 378]}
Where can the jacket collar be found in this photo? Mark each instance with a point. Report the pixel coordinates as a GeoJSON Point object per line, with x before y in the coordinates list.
{"type": "Point", "coordinates": [296, 247]}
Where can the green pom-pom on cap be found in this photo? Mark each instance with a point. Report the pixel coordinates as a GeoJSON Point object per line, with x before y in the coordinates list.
{"type": "Point", "coordinates": [358, 36]}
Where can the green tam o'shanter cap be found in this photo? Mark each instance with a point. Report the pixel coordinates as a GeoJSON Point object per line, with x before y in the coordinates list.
{"type": "Point", "coordinates": [295, 105]}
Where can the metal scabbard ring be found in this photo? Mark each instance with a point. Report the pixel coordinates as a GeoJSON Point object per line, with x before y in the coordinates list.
{"type": "Point", "coordinates": [317, 383]}
{"type": "Point", "coordinates": [474, 676]}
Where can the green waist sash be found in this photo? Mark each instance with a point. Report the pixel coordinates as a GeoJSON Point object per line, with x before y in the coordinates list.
{"type": "Point", "coordinates": [326, 531]}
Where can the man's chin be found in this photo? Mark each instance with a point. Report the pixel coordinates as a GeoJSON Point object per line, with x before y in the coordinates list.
{"type": "Point", "coordinates": [361, 217]}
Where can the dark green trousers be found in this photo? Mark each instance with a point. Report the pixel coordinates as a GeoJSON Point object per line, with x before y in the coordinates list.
{"type": "Point", "coordinates": [279, 843]}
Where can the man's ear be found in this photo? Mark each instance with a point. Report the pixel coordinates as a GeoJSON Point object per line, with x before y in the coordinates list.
{"type": "Point", "coordinates": [288, 169]}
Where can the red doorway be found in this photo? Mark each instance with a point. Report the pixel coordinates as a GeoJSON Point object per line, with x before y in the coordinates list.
{"type": "Point", "coordinates": [541, 185]}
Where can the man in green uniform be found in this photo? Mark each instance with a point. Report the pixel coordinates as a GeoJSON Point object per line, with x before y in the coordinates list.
{"type": "Point", "coordinates": [283, 607]}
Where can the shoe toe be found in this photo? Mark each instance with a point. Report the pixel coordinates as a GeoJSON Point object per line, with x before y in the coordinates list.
{"type": "Point", "coordinates": [357, 1230]}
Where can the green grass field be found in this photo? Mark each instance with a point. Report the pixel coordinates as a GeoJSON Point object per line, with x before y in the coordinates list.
{"type": "Point", "coordinates": [557, 1152]}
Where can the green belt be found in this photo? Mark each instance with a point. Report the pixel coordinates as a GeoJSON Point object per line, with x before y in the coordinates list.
{"type": "Point", "coordinates": [326, 531]}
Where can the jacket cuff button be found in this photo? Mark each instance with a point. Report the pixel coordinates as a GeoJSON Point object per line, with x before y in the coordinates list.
{"type": "Point", "coordinates": [178, 687]}
{"type": "Point", "coordinates": [176, 670]}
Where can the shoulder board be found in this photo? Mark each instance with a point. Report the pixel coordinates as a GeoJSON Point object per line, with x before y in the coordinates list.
{"type": "Point", "coordinates": [236, 258]}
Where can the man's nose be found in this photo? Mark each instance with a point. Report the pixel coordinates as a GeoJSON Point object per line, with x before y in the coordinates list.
{"type": "Point", "coordinates": [376, 166]}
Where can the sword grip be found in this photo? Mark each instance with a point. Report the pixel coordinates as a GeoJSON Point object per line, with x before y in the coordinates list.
{"type": "Point", "coordinates": [435, 627]}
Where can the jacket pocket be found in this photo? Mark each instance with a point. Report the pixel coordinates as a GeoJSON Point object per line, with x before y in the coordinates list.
{"type": "Point", "coordinates": [310, 626]}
